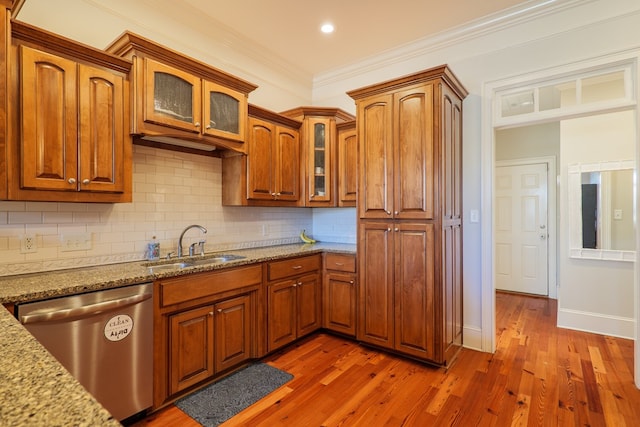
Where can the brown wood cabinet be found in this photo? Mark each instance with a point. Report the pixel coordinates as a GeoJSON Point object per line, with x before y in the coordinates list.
{"type": "Point", "coordinates": [177, 98]}
{"type": "Point", "coordinates": [269, 175]}
{"type": "Point", "coordinates": [410, 214]}
{"type": "Point", "coordinates": [204, 325]}
{"type": "Point", "coordinates": [293, 299]}
{"type": "Point", "coordinates": [347, 164]}
{"type": "Point", "coordinates": [339, 294]}
{"type": "Point", "coordinates": [319, 153]}
{"type": "Point", "coordinates": [68, 139]}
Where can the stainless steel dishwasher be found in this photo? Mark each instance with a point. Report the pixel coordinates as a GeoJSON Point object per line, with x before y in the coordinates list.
{"type": "Point", "coordinates": [104, 339]}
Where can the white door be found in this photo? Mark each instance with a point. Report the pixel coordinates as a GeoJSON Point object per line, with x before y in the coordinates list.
{"type": "Point", "coordinates": [521, 234]}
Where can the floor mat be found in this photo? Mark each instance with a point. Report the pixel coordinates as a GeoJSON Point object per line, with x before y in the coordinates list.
{"type": "Point", "coordinates": [220, 401]}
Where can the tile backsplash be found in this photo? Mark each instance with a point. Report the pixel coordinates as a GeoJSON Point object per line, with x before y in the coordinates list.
{"type": "Point", "coordinates": [171, 190]}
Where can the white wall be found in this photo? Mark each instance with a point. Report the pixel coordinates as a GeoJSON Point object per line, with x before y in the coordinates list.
{"type": "Point", "coordinates": [595, 296]}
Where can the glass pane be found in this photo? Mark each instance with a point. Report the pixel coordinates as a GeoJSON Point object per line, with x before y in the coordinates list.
{"type": "Point", "coordinates": [225, 112]}
{"type": "Point", "coordinates": [318, 135]}
{"type": "Point", "coordinates": [557, 95]}
{"type": "Point", "coordinates": [603, 88]}
{"type": "Point", "coordinates": [517, 103]}
{"type": "Point", "coordinates": [172, 97]}
{"type": "Point", "coordinates": [319, 182]}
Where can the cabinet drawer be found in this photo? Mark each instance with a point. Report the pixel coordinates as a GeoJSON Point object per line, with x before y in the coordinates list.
{"type": "Point", "coordinates": [340, 262]}
{"type": "Point", "coordinates": [184, 288]}
{"type": "Point", "coordinates": [293, 267]}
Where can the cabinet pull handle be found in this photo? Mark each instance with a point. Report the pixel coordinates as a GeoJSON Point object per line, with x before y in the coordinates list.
{"type": "Point", "coordinates": [71, 181]}
{"type": "Point", "coordinates": [86, 181]}
{"type": "Point", "coordinates": [297, 267]}
{"type": "Point", "coordinates": [339, 264]}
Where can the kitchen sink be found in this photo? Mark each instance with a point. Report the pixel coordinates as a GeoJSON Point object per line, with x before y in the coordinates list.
{"type": "Point", "coordinates": [216, 259]}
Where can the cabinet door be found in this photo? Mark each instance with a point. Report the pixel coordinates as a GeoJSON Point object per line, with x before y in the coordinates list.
{"type": "Point", "coordinates": [49, 146]}
{"type": "Point", "coordinates": [309, 299]}
{"type": "Point", "coordinates": [375, 186]}
{"type": "Point", "coordinates": [339, 302]}
{"type": "Point", "coordinates": [287, 165]}
{"type": "Point", "coordinates": [414, 166]}
{"type": "Point", "coordinates": [375, 270]}
{"type": "Point", "coordinates": [414, 277]}
{"type": "Point", "coordinates": [281, 314]}
{"type": "Point", "coordinates": [190, 348]}
{"type": "Point", "coordinates": [232, 332]}
{"type": "Point", "coordinates": [225, 112]}
{"type": "Point", "coordinates": [319, 158]}
{"type": "Point", "coordinates": [101, 100]}
{"type": "Point", "coordinates": [172, 97]}
{"type": "Point", "coordinates": [347, 167]}
{"type": "Point", "coordinates": [260, 160]}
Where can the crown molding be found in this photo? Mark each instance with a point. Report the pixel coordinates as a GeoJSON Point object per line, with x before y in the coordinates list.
{"type": "Point", "coordinates": [489, 24]}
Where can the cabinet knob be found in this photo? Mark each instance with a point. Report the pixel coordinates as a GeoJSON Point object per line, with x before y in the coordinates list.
{"type": "Point", "coordinates": [295, 285]}
{"type": "Point", "coordinates": [210, 313]}
{"type": "Point", "coordinates": [388, 212]}
{"type": "Point", "coordinates": [388, 228]}
{"type": "Point", "coordinates": [219, 310]}
{"type": "Point", "coordinates": [71, 181]}
{"type": "Point", "coordinates": [197, 124]}
{"type": "Point", "coordinates": [208, 127]}
{"type": "Point", "coordinates": [396, 229]}
{"type": "Point", "coordinates": [395, 212]}
{"type": "Point", "coordinates": [86, 181]}
{"type": "Point", "coordinates": [351, 282]}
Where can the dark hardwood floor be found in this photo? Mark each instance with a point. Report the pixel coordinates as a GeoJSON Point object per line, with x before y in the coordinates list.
{"type": "Point", "coordinates": [539, 375]}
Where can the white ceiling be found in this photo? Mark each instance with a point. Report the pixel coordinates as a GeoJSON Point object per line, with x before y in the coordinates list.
{"type": "Point", "coordinates": [285, 29]}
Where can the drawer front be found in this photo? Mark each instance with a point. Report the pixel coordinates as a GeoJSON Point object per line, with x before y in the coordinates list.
{"type": "Point", "coordinates": [340, 262]}
{"type": "Point", "coordinates": [184, 288]}
{"type": "Point", "coordinates": [293, 267]}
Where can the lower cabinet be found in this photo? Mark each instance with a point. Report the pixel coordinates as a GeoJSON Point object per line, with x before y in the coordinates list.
{"type": "Point", "coordinates": [339, 294]}
{"type": "Point", "coordinates": [205, 324]}
{"type": "Point", "coordinates": [293, 300]}
{"type": "Point", "coordinates": [206, 340]}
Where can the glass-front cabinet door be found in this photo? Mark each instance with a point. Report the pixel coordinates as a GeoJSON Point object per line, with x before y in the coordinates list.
{"type": "Point", "coordinates": [319, 158]}
{"type": "Point", "coordinates": [225, 112]}
{"type": "Point", "coordinates": [172, 97]}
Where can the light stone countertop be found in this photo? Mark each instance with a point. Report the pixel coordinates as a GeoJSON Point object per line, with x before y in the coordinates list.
{"type": "Point", "coordinates": [35, 389]}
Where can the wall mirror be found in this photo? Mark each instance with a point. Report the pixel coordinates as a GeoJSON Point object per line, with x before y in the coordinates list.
{"type": "Point", "coordinates": [601, 210]}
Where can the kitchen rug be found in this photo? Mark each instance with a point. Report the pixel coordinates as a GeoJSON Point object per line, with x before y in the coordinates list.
{"type": "Point", "coordinates": [222, 400]}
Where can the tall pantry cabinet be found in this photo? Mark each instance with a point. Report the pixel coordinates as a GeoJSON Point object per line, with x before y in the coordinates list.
{"type": "Point", "coordinates": [410, 214]}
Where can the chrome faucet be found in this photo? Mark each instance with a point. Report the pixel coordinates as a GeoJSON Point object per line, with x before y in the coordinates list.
{"type": "Point", "coordinates": [204, 230]}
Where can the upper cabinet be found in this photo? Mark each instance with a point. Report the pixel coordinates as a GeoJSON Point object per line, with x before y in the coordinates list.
{"type": "Point", "coordinates": [319, 153]}
{"type": "Point", "coordinates": [347, 162]}
{"type": "Point", "coordinates": [178, 99]}
{"type": "Point", "coordinates": [68, 138]}
{"type": "Point", "coordinates": [269, 174]}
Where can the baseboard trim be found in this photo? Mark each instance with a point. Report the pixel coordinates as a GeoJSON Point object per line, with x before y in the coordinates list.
{"type": "Point", "coordinates": [597, 323]}
{"type": "Point", "coordinates": [472, 338]}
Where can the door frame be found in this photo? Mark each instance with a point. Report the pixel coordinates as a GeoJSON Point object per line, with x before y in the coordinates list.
{"type": "Point", "coordinates": [487, 164]}
{"type": "Point", "coordinates": [552, 184]}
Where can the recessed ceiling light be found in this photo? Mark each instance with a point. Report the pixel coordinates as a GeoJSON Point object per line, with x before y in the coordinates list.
{"type": "Point", "coordinates": [327, 28]}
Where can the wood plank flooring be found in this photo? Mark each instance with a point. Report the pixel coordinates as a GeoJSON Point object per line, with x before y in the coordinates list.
{"type": "Point", "coordinates": [540, 375]}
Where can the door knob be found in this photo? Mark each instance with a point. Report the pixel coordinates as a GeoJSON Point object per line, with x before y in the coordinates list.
{"type": "Point", "coordinates": [542, 226]}
{"type": "Point", "coordinates": [543, 236]}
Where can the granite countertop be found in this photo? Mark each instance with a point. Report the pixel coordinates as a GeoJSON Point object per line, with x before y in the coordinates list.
{"type": "Point", "coordinates": [36, 390]}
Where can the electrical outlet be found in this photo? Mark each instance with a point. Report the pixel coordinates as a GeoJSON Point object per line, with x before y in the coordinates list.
{"type": "Point", "coordinates": [28, 244]}
{"type": "Point", "coordinates": [76, 242]}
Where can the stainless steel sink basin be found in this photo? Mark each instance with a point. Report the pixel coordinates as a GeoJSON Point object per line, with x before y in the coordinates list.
{"type": "Point", "coordinates": [170, 266]}
{"type": "Point", "coordinates": [217, 259]}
